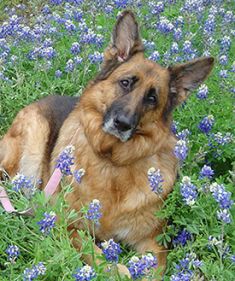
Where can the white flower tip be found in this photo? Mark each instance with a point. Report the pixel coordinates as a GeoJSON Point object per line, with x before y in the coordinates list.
{"type": "Point", "coordinates": [105, 244]}
{"type": "Point", "coordinates": [134, 259]}
{"type": "Point", "coordinates": [186, 180]}
{"type": "Point", "coordinates": [151, 171]}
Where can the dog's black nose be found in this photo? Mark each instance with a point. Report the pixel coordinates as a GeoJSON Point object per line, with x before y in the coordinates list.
{"type": "Point", "coordinates": [122, 123]}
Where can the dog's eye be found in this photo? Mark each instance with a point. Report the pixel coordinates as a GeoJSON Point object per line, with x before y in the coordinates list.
{"type": "Point", "coordinates": [125, 83]}
{"type": "Point", "coordinates": [151, 98]}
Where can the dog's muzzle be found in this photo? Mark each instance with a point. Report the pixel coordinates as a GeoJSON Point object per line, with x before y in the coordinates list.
{"type": "Point", "coordinates": [119, 125]}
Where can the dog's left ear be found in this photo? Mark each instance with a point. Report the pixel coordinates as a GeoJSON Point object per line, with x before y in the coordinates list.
{"type": "Point", "coordinates": [126, 38]}
{"type": "Point", "coordinates": [187, 77]}
{"type": "Point", "coordinates": [125, 42]}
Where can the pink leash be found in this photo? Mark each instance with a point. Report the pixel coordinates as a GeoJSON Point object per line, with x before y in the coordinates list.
{"type": "Point", "coordinates": [49, 190]}
{"type": "Point", "coordinates": [53, 182]}
{"type": "Point", "coordinates": [6, 203]}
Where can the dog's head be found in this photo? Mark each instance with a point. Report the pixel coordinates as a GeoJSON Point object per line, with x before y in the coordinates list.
{"type": "Point", "coordinates": [131, 91]}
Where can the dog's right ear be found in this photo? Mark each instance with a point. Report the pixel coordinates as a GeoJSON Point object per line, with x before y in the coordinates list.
{"type": "Point", "coordinates": [125, 42]}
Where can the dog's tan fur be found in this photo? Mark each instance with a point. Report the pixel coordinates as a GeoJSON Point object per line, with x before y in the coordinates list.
{"type": "Point", "coordinates": [116, 172]}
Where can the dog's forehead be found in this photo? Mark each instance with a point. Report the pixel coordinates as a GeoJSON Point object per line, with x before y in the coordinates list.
{"type": "Point", "coordinates": [143, 69]}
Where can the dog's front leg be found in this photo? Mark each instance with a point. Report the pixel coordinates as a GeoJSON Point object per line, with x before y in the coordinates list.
{"type": "Point", "coordinates": [150, 245]}
{"type": "Point", "coordinates": [94, 259]}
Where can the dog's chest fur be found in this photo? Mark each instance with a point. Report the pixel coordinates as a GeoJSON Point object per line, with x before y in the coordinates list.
{"type": "Point", "coordinates": [128, 204]}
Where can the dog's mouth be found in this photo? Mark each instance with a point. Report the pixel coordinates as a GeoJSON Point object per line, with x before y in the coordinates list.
{"type": "Point", "coordinates": [120, 130]}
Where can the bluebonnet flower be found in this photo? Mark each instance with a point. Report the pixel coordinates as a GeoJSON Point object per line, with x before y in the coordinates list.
{"type": "Point", "coordinates": [174, 127]}
{"type": "Point", "coordinates": [184, 268]}
{"type": "Point", "coordinates": [58, 73]}
{"type": "Point", "coordinates": [183, 135]}
{"type": "Point", "coordinates": [223, 60]}
{"type": "Point", "coordinates": [223, 73]}
{"type": "Point", "coordinates": [157, 8]}
{"type": "Point", "coordinates": [174, 48]}
{"type": "Point", "coordinates": [41, 269]}
{"type": "Point", "coordinates": [164, 25]}
{"type": "Point", "coordinates": [233, 67]}
{"type": "Point", "coordinates": [75, 48]}
{"type": "Point", "coordinates": [69, 66]}
{"type": "Point", "coordinates": [78, 174]}
{"type": "Point", "coordinates": [202, 92]}
{"type": "Point", "coordinates": [46, 10]}
{"type": "Point", "coordinates": [213, 241]}
{"type": "Point", "coordinates": [182, 276]}
{"type": "Point", "coordinates": [179, 21]}
{"type": "Point", "coordinates": [82, 27]}
{"type": "Point", "coordinates": [222, 140]}
{"type": "Point", "coordinates": [32, 273]}
{"type": "Point", "coordinates": [167, 56]}
{"type": "Point", "coordinates": [21, 182]}
{"type": "Point", "coordinates": [213, 10]}
{"type": "Point", "coordinates": [233, 258]}
{"type": "Point", "coordinates": [47, 223]}
{"type": "Point", "coordinates": [13, 253]}
{"type": "Point", "coordinates": [56, 2]}
{"type": "Point", "coordinates": [206, 53]}
{"type": "Point", "coordinates": [3, 77]}
{"type": "Point", "coordinates": [155, 56]}
{"type": "Point", "coordinates": [206, 172]}
{"type": "Point", "coordinates": [77, 15]}
{"type": "Point", "coordinates": [90, 37]}
{"type": "Point", "coordinates": [66, 160]}
{"type": "Point", "coordinates": [155, 180]}
{"type": "Point", "coordinates": [181, 150]}
{"type": "Point", "coordinates": [121, 3]}
{"type": "Point", "coordinates": [178, 34]}
{"type": "Point", "coordinates": [111, 250]}
{"type": "Point", "coordinates": [86, 273]}
{"type": "Point", "coordinates": [139, 267]}
{"type": "Point", "coordinates": [29, 274]}
{"type": "Point", "coordinates": [193, 6]}
{"type": "Point", "coordinates": [206, 124]}
{"type": "Point", "coordinates": [187, 47]}
{"type": "Point", "coordinates": [94, 211]}
{"type": "Point", "coordinates": [150, 45]}
{"type": "Point", "coordinates": [225, 43]}
{"type": "Point", "coordinates": [77, 60]}
{"type": "Point", "coordinates": [224, 215]}
{"type": "Point", "coordinates": [209, 25]}
{"type": "Point", "coordinates": [221, 196]}
{"type": "Point", "coordinates": [188, 191]}
{"type": "Point", "coordinates": [76, 2]}
{"type": "Point", "coordinates": [13, 59]}
{"type": "Point", "coordinates": [70, 26]}
{"type": "Point", "coordinates": [229, 17]}
{"type": "Point", "coordinates": [108, 9]}
{"type": "Point", "coordinates": [47, 53]}
{"type": "Point", "coordinates": [182, 238]}
{"type": "Point", "coordinates": [97, 57]}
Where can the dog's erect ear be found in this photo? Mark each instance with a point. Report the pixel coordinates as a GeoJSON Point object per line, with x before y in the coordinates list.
{"type": "Point", "coordinates": [187, 77]}
{"type": "Point", "coordinates": [125, 42]}
{"type": "Point", "coordinates": [126, 39]}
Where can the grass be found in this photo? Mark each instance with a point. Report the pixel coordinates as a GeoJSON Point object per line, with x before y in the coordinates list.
{"type": "Point", "coordinates": [25, 80]}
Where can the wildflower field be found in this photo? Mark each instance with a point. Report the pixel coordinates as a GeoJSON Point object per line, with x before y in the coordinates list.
{"type": "Point", "coordinates": [56, 47]}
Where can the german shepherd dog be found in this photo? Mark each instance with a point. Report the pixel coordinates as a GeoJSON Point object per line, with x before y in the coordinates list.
{"type": "Point", "coordinates": [120, 127]}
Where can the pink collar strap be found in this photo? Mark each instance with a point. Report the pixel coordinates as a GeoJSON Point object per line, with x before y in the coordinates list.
{"type": "Point", "coordinates": [49, 190]}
